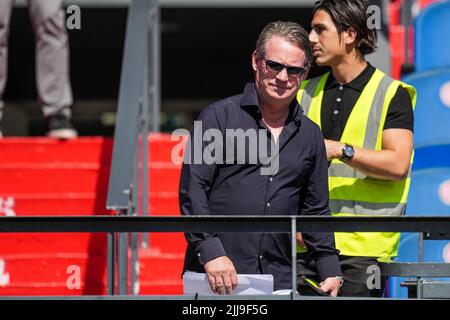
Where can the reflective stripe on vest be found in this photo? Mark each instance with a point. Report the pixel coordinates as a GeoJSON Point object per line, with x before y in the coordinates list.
{"type": "Point", "coordinates": [351, 192]}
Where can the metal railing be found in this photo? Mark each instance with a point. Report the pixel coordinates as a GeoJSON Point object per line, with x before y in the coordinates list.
{"type": "Point", "coordinates": [417, 273]}
{"type": "Point", "coordinates": [139, 84]}
{"type": "Point", "coordinates": [438, 227]}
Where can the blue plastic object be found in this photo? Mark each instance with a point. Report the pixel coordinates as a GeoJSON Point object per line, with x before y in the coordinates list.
{"type": "Point", "coordinates": [432, 30]}
{"type": "Point", "coordinates": [432, 111]}
{"type": "Point", "coordinates": [429, 194]}
{"type": "Point", "coordinates": [431, 157]}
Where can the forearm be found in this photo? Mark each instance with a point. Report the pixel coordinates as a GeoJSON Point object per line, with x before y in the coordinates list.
{"type": "Point", "coordinates": [383, 165]}
{"type": "Point", "coordinates": [390, 163]}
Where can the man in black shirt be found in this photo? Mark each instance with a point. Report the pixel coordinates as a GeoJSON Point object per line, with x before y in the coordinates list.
{"type": "Point", "coordinates": [341, 98]}
{"type": "Point", "coordinates": [266, 114]}
{"type": "Point", "coordinates": [367, 121]}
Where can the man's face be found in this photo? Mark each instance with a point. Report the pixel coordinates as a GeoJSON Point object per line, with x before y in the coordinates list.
{"type": "Point", "coordinates": [278, 88]}
{"type": "Point", "coordinates": [328, 46]}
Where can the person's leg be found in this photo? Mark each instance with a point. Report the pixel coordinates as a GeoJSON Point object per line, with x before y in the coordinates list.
{"type": "Point", "coordinates": [356, 273]}
{"type": "Point", "coordinates": [52, 59]}
{"type": "Point", "coordinates": [5, 16]}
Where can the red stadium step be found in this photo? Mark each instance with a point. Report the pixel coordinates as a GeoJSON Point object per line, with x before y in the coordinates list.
{"type": "Point", "coordinates": [160, 203]}
{"type": "Point", "coordinates": [53, 274]}
{"type": "Point", "coordinates": [164, 179]}
{"type": "Point", "coordinates": [91, 149]}
{"type": "Point", "coordinates": [45, 150]}
{"type": "Point", "coordinates": [168, 242]}
{"type": "Point", "coordinates": [64, 179]}
{"type": "Point", "coordinates": [160, 274]}
{"type": "Point", "coordinates": [41, 176]}
{"type": "Point", "coordinates": [76, 177]}
{"type": "Point", "coordinates": [59, 204]}
{"type": "Point", "coordinates": [13, 244]}
{"type": "Point", "coordinates": [164, 204]}
{"type": "Point", "coordinates": [171, 287]}
{"type": "Point", "coordinates": [161, 266]}
{"type": "Point", "coordinates": [161, 147]}
{"type": "Point", "coordinates": [75, 274]}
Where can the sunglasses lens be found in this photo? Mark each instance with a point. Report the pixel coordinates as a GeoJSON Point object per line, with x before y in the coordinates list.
{"type": "Point", "coordinates": [275, 66]}
{"type": "Point", "coordinates": [294, 71]}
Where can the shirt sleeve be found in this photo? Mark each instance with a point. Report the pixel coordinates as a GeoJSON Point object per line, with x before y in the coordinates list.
{"type": "Point", "coordinates": [315, 195]}
{"type": "Point", "coordinates": [400, 113]}
{"type": "Point", "coordinates": [196, 181]}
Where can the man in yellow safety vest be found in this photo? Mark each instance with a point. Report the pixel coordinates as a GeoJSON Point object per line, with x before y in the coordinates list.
{"type": "Point", "coordinates": [367, 122]}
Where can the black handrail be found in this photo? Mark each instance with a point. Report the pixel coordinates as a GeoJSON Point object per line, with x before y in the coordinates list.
{"type": "Point", "coordinates": [125, 224]}
{"type": "Point", "coordinates": [436, 224]}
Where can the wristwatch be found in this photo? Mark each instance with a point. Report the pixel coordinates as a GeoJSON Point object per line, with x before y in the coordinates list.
{"type": "Point", "coordinates": [347, 153]}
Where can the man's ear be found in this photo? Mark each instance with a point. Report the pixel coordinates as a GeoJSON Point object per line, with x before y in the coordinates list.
{"type": "Point", "coordinates": [350, 36]}
{"type": "Point", "coordinates": [305, 75]}
{"type": "Point", "coordinates": [255, 59]}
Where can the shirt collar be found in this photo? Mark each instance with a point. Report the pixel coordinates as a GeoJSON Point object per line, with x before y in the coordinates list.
{"type": "Point", "coordinates": [357, 84]}
{"type": "Point", "coordinates": [250, 99]}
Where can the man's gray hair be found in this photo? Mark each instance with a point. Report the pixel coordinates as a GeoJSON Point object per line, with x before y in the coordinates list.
{"type": "Point", "coordinates": [291, 32]}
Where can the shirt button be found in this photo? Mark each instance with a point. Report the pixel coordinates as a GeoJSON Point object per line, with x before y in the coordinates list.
{"type": "Point", "coordinates": [270, 179]}
{"type": "Point", "coordinates": [336, 111]}
{"type": "Point", "coordinates": [268, 204]}
{"type": "Point", "coordinates": [338, 99]}
{"type": "Point", "coordinates": [341, 87]}
{"type": "Point", "coordinates": [261, 256]}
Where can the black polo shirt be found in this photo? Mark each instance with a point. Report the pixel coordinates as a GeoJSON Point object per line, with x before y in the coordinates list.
{"type": "Point", "coordinates": [299, 187]}
{"type": "Point", "coordinates": [339, 100]}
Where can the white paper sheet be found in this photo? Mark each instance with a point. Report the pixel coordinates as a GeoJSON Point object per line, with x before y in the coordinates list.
{"type": "Point", "coordinates": [248, 284]}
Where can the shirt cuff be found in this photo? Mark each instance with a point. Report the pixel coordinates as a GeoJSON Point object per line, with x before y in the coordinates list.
{"type": "Point", "coordinates": [209, 250]}
{"type": "Point", "coordinates": [328, 266]}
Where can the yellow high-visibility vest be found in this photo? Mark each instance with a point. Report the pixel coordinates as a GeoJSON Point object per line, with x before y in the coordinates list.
{"type": "Point", "coordinates": [351, 192]}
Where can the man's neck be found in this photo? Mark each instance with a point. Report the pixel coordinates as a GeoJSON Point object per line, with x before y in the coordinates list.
{"type": "Point", "coordinates": [349, 68]}
{"type": "Point", "coordinates": [275, 117]}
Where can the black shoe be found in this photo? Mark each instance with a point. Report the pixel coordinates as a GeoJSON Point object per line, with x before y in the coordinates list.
{"type": "Point", "coordinates": [59, 127]}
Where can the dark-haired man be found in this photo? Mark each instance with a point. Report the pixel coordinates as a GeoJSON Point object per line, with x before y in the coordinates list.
{"type": "Point", "coordinates": [367, 121]}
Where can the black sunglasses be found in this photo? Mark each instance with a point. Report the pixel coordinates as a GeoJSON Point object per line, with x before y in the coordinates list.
{"type": "Point", "coordinates": [278, 67]}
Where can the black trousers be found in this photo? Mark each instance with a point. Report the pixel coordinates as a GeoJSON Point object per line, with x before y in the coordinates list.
{"type": "Point", "coordinates": [358, 275]}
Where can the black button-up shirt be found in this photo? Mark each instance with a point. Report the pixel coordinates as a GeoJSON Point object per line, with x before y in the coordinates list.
{"type": "Point", "coordinates": [300, 186]}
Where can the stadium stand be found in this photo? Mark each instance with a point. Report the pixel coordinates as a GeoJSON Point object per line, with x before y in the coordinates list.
{"type": "Point", "coordinates": [432, 115]}
{"type": "Point", "coordinates": [430, 192]}
{"type": "Point", "coordinates": [430, 182]}
{"type": "Point", "coordinates": [431, 50]}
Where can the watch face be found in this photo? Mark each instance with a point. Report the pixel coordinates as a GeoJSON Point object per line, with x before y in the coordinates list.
{"type": "Point", "coordinates": [348, 151]}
